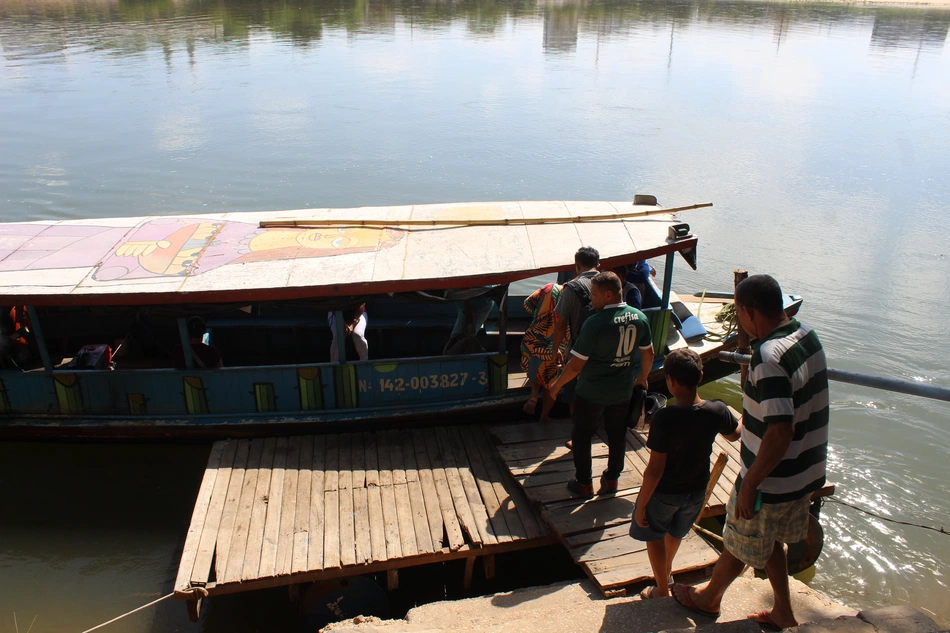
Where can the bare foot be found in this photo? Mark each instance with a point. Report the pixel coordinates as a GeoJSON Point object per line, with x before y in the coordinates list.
{"type": "Point", "coordinates": [530, 406]}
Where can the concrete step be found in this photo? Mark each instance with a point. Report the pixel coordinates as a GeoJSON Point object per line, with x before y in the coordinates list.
{"type": "Point", "coordinates": [577, 607]}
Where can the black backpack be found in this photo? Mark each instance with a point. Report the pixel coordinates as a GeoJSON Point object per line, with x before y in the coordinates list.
{"type": "Point", "coordinates": [582, 292]}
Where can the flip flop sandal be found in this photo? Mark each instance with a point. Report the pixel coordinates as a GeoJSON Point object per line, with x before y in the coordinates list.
{"type": "Point", "coordinates": [687, 601]}
{"type": "Point", "coordinates": [763, 619]}
{"type": "Point", "coordinates": [647, 594]}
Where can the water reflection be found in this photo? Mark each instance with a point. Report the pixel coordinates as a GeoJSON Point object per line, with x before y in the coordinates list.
{"type": "Point", "coordinates": [166, 23]}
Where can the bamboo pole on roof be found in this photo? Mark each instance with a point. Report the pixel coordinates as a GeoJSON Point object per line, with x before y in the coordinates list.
{"type": "Point", "coordinates": [269, 224]}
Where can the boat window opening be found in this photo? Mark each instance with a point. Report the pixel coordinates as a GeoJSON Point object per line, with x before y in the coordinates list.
{"type": "Point", "coordinates": [277, 333]}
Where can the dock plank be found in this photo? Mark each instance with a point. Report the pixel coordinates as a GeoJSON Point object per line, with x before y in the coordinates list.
{"type": "Point", "coordinates": [331, 479]}
{"type": "Point", "coordinates": [288, 509]}
{"type": "Point", "coordinates": [384, 459]}
{"type": "Point", "coordinates": [358, 461]}
{"type": "Point", "coordinates": [407, 530]}
{"type": "Point", "coordinates": [370, 459]}
{"type": "Point", "coordinates": [475, 502]}
{"type": "Point", "coordinates": [398, 464]}
{"type": "Point", "coordinates": [346, 461]}
{"type": "Point", "coordinates": [302, 512]}
{"type": "Point", "coordinates": [229, 514]}
{"type": "Point", "coordinates": [420, 519]}
{"type": "Point", "coordinates": [503, 484]}
{"type": "Point", "coordinates": [495, 513]}
{"type": "Point", "coordinates": [391, 523]}
{"type": "Point", "coordinates": [331, 531]}
{"type": "Point", "coordinates": [198, 516]}
{"type": "Point", "coordinates": [364, 547]}
{"type": "Point", "coordinates": [274, 511]}
{"type": "Point", "coordinates": [459, 500]}
{"type": "Point", "coordinates": [409, 456]}
{"type": "Point", "coordinates": [347, 527]}
{"type": "Point", "coordinates": [429, 494]}
{"type": "Point", "coordinates": [450, 520]}
{"type": "Point", "coordinates": [209, 535]}
{"type": "Point", "coordinates": [377, 526]}
{"type": "Point", "coordinates": [317, 504]}
{"type": "Point", "coordinates": [531, 432]}
{"type": "Point", "coordinates": [242, 523]}
{"type": "Point", "coordinates": [255, 534]}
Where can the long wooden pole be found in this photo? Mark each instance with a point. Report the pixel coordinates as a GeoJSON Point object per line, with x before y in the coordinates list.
{"type": "Point", "coordinates": [269, 224]}
{"type": "Point", "coordinates": [743, 346]}
{"type": "Point", "coordinates": [713, 480]}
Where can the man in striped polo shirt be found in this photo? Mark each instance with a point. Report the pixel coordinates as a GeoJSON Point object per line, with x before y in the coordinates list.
{"type": "Point", "coordinates": [784, 448]}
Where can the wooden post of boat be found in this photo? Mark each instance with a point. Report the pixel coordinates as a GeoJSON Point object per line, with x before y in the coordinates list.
{"type": "Point", "coordinates": [392, 579]}
{"type": "Point", "coordinates": [185, 343]}
{"type": "Point", "coordinates": [743, 344]}
{"type": "Point", "coordinates": [40, 341]}
{"type": "Point", "coordinates": [340, 332]}
{"type": "Point", "coordinates": [503, 324]}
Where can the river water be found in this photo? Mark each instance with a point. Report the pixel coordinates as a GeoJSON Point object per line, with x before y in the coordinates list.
{"type": "Point", "coordinates": [820, 131]}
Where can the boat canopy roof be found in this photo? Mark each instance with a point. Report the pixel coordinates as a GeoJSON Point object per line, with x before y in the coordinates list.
{"type": "Point", "coordinates": [262, 256]}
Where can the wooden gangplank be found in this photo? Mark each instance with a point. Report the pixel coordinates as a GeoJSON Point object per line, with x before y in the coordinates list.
{"type": "Point", "coordinates": [284, 510]}
{"type": "Point", "coordinates": [596, 531]}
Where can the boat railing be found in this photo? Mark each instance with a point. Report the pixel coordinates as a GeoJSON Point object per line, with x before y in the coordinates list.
{"type": "Point", "coordinates": [864, 380]}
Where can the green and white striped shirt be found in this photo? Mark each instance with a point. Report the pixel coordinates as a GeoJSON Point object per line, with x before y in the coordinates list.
{"type": "Point", "coordinates": [788, 382]}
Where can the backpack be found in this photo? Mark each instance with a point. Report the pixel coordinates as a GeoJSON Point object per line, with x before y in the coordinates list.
{"type": "Point", "coordinates": [582, 292]}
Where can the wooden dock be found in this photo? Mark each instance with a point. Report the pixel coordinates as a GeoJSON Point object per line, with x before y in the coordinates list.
{"type": "Point", "coordinates": [286, 510]}
{"type": "Point", "coordinates": [596, 531]}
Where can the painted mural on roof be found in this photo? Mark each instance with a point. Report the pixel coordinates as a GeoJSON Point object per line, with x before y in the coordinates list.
{"type": "Point", "coordinates": [175, 247]}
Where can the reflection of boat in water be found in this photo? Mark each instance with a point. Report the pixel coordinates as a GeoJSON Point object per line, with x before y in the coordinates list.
{"type": "Point", "coordinates": [264, 282]}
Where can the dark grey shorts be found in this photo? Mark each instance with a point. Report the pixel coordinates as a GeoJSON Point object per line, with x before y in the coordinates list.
{"type": "Point", "coordinates": [669, 513]}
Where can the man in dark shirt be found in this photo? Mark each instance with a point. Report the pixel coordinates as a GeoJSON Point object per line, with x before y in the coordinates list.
{"type": "Point", "coordinates": [674, 483]}
{"type": "Point", "coordinates": [205, 356]}
{"type": "Point", "coordinates": [573, 308]}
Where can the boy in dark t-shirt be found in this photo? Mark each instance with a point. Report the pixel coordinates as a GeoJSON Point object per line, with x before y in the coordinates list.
{"type": "Point", "coordinates": [674, 482]}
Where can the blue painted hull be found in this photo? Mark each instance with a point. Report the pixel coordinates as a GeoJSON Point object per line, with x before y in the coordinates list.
{"type": "Point", "coordinates": [249, 400]}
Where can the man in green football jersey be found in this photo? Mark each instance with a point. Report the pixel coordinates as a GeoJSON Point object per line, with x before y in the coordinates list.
{"type": "Point", "coordinates": [604, 358]}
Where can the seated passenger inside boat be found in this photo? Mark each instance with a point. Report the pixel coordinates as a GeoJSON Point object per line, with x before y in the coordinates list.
{"type": "Point", "coordinates": [14, 346]}
{"type": "Point", "coordinates": [205, 356]}
{"type": "Point", "coordinates": [631, 294]}
{"type": "Point", "coordinates": [354, 326]}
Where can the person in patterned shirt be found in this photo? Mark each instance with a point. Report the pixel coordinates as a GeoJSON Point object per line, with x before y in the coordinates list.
{"type": "Point", "coordinates": [537, 353]}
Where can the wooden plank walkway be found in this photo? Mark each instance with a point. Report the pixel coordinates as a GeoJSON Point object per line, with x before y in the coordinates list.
{"type": "Point", "coordinates": [596, 531]}
{"type": "Point", "coordinates": [278, 511]}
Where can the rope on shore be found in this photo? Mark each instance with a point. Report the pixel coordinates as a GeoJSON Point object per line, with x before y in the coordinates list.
{"type": "Point", "coordinates": [144, 606]}
{"type": "Point", "coordinates": [888, 519]}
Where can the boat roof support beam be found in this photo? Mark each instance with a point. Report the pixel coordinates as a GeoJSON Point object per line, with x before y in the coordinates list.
{"type": "Point", "coordinates": [668, 279]}
{"type": "Point", "coordinates": [340, 332]}
{"type": "Point", "coordinates": [186, 343]}
{"type": "Point", "coordinates": [503, 323]}
{"type": "Point", "coordinates": [37, 330]}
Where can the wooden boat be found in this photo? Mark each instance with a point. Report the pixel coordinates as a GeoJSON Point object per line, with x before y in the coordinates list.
{"type": "Point", "coordinates": [265, 282]}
